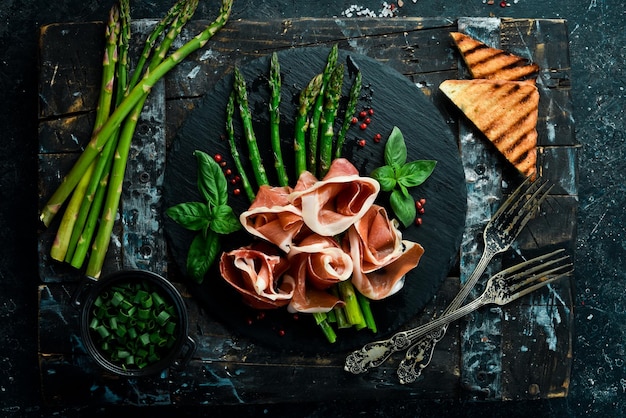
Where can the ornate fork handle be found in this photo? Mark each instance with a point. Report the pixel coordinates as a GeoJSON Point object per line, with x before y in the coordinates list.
{"type": "Point", "coordinates": [419, 356]}
{"type": "Point", "coordinates": [375, 353]}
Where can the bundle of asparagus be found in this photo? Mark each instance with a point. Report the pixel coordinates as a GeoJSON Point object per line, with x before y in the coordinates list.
{"type": "Point", "coordinates": [94, 184]}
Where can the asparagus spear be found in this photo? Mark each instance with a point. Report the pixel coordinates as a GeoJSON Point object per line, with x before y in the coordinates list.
{"type": "Point", "coordinates": [241, 96]}
{"type": "Point", "coordinates": [318, 109]}
{"type": "Point", "coordinates": [306, 101]}
{"type": "Point", "coordinates": [63, 241]}
{"type": "Point", "coordinates": [230, 131]}
{"type": "Point", "coordinates": [157, 31]}
{"type": "Point", "coordinates": [352, 308]}
{"type": "Point", "coordinates": [355, 91]}
{"type": "Point", "coordinates": [366, 309]}
{"type": "Point", "coordinates": [274, 107]}
{"type": "Point", "coordinates": [321, 319]}
{"type": "Point", "coordinates": [333, 94]}
{"type": "Point", "coordinates": [135, 95]}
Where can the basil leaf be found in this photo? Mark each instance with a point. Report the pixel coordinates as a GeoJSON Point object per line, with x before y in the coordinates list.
{"type": "Point", "coordinates": [191, 215]}
{"type": "Point", "coordinates": [224, 220]}
{"type": "Point", "coordinates": [416, 172]}
{"type": "Point", "coordinates": [386, 176]}
{"type": "Point", "coordinates": [403, 207]}
{"type": "Point", "coordinates": [395, 149]}
{"type": "Point", "coordinates": [202, 253]}
{"type": "Point", "coordinates": [212, 182]}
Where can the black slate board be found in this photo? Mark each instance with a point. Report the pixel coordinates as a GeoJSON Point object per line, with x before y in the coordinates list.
{"type": "Point", "coordinates": [396, 102]}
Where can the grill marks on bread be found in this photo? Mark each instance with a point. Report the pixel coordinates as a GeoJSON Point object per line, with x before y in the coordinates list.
{"type": "Point", "coordinates": [505, 112]}
{"type": "Point", "coordinates": [484, 61]}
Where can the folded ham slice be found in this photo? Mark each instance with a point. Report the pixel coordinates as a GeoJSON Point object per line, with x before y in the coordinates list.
{"type": "Point", "coordinates": [307, 298]}
{"type": "Point", "coordinates": [331, 205]}
{"type": "Point", "coordinates": [257, 273]}
{"type": "Point", "coordinates": [272, 217]}
{"type": "Point", "coordinates": [384, 257]}
{"type": "Point", "coordinates": [326, 262]}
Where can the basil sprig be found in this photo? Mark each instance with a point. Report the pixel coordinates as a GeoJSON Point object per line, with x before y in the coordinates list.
{"type": "Point", "coordinates": [398, 175]}
{"type": "Point", "coordinates": [211, 218]}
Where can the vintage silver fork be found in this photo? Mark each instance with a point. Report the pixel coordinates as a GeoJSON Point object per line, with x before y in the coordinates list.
{"type": "Point", "coordinates": [502, 288]}
{"type": "Point", "coordinates": [498, 235]}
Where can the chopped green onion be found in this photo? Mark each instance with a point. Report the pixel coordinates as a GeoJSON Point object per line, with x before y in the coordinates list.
{"type": "Point", "coordinates": [162, 318]}
{"type": "Point", "coordinates": [133, 324]}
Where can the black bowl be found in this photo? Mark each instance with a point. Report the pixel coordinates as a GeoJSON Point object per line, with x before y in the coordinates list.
{"type": "Point", "coordinates": [175, 358]}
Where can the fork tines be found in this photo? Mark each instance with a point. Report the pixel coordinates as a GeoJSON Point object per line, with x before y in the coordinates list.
{"type": "Point", "coordinates": [528, 276]}
{"type": "Point", "coordinates": [520, 206]}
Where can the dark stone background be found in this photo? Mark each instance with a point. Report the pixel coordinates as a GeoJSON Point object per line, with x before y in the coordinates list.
{"type": "Point", "coordinates": [597, 48]}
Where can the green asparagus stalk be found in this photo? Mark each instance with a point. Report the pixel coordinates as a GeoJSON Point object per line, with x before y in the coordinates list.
{"type": "Point", "coordinates": [85, 238]}
{"type": "Point", "coordinates": [322, 321]}
{"type": "Point", "coordinates": [364, 304]}
{"type": "Point", "coordinates": [274, 107]}
{"type": "Point", "coordinates": [241, 96]}
{"type": "Point", "coordinates": [234, 152]}
{"type": "Point", "coordinates": [157, 31]}
{"type": "Point", "coordinates": [342, 322]}
{"type": "Point", "coordinates": [307, 99]}
{"type": "Point", "coordinates": [114, 192]}
{"type": "Point", "coordinates": [355, 91]}
{"type": "Point", "coordinates": [352, 308]}
{"type": "Point", "coordinates": [135, 95]}
{"type": "Point", "coordinates": [333, 94]}
{"type": "Point", "coordinates": [65, 240]}
{"type": "Point", "coordinates": [318, 109]}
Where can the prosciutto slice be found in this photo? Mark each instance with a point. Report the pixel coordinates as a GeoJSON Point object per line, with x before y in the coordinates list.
{"type": "Point", "coordinates": [383, 257]}
{"type": "Point", "coordinates": [331, 205]}
{"type": "Point", "coordinates": [257, 274]}
{"type": "Point", "coordinates": [326, 262]}
{"type": "Point", "coordinates": [272, 217]}
{"type": "Point", "coordinates": [307, 298]}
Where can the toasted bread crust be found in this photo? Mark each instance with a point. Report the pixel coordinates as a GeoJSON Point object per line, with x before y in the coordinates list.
{"type": "Point", "coordinates": [505, 112]}
{"type": "Point", "coordinates": [486, 62]}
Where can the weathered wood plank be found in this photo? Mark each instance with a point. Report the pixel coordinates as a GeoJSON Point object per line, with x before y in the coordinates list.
{"type": "Point", "coordinates": [483, 358]}
{"type": "Point", "coordinates": [66, 85]}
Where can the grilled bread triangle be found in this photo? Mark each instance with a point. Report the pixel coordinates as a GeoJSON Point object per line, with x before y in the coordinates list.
{"type": "Point", "coordinates": [491, 63]}
{"type": "Point", "coordinates": [505, 112]}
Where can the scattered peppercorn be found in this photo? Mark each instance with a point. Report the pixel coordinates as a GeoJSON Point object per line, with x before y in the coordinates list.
{"type": "Point", "coordinates": [362, 114]}
{"type": "Point", "coordinates": [418, 221]}
{"type": "Point", "coordinates": [378, 138]}
{"type": "Point", "coordinates": [218, 158]}
{"type": "Point", "coordinates": [363, 126]}
{"type": "Point", "coordinates": [362, 143]}
{"type": "Point", "coordinates": [370, 111]}
{"type": "Point", "coordinates": [354, 120]}
{"type": "Point", "coordinates": [237, 192]}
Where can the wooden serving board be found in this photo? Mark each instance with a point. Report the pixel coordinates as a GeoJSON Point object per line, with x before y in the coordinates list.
{"type": "Point", "coordinates": [521, 351]}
